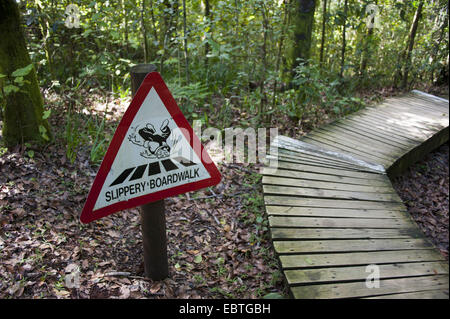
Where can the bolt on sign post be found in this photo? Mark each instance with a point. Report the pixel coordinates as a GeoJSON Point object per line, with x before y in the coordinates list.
{"type": "Point", "coordinates": [153, 154]}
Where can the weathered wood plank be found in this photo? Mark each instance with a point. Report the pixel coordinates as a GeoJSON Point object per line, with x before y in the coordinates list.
{"type": "Point", "coordinates": [350, 146]}
{"type": "Point", "coordinates": [339, 148]}
{"type": "Point", "coordinates": [275, 180]}
{"type": "Point", "coordinates": [428, 294]}
{"type": "Point", "coordinates": [268, 171]}
{"type": "Point", "coordinates": [327, 222]}
{"type": "Point", "coordinates": [356, 131]}
{"type": "Point", "coordinates": [333, 212]}
{"type": "Point", "coordinates": [369, 143]}
{"type": "Point", "coordinates": [359, 258]}
{"type": "Point", "coordinates": [330, 203]}
{"type": "Point", "coordinates": [344, 233]}
{"type": "Point", "coordinates": [299, 246]}
{"type": "Point", "coordinates": [381, 132]}
{"type": "Point", "coordinates": [415, 136]}
{"type": "Point", "coordinates": [413, 269]}
{"type": "Point", "coordinates": [330, 193]}
{"type": "Point", "coordinates": [306, 161]}
{"type": "Point", "coordinates": [326, 170]}
{"type": "Point", "coordinates": [359, 289]}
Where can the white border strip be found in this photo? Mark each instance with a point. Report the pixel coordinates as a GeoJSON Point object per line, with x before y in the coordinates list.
{"type": "Point", "coordinates": [296, 145]}
{"type": "Point", "coordinates": [429, 95]}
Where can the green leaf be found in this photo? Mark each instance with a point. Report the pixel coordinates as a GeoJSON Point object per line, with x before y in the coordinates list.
{"type": "Point", "coordinates": [19, 80]}
{"type": "Point", "coordinates": [46, 114]}
{"type": "Point", "coordinates": [23, 71]}
{"type": "Point", "coordinates": [273, 295]}
{"type": "Point", "coordinates": [30, 153]}
{"type": "Point", "coordinates": [10, 89]}
{"type": "Point", "coordinates": [2, 76]}
{"type": "Point", "coordinates": [198, 259]}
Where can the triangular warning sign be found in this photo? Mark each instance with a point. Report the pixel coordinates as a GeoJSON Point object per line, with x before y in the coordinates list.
{"type": "Point", "coordinates": [153, 154]}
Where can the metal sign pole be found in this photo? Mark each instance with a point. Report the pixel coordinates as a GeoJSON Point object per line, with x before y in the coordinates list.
{"type": "Point", "coordinates": [153, 219]}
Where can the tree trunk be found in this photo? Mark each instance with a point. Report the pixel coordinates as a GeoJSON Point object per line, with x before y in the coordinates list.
{"type": "Point", "coordinates": [365, 53]}
{"type": "Point", "coordinates": [344, 29]}
{"type": "Point", "coordinates": [324, 22]}
{"type": "Point", "coordinates": [24, 109]}
{"type": "Point", "coordinates": [186, 57]}
{"type": "Point", "coordinates": [208, 21]}
{"type": "Point", "coordinates": [144, 32]}
{"type": "Point", "coordinates": [411, 38]}
{"type": "Point", "coordinates": [303, 20]}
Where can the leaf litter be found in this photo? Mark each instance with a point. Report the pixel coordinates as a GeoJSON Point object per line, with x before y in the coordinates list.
{"type": "Point", "coordinates": [218, 238]}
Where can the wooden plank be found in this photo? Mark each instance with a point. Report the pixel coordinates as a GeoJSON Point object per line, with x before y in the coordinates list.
{"type": "Point", "coordinates": [333, 212]}
{"type": "Point", "coordinates": [382, 132]}
{"type": "Point", "coordinates": [414, 135]}
{"type": "Point", "coordinates": [320, 149]}
{"type": "Point", "coordinates": [428, 294]}
{"type": "Point", "coordinates": [275, 180]}
{"type": "Point", "coordinates": [341, 141]}
{"type": "Point", "coordinates": [343, 233]}
{"type": "Point", "coordinates": [330, 193]}
{"type": "Point", "coordinates": [327, 171]}
{"type": "Point", "coordinates": [414, 106]}
{"type": "Point", "coordinates": [409, 120]}
{"type": "Point", "coordinates": [330, 203]}
{"type": "Point", "coordinates": [398, 270]}
{"type": "Point", "coordinates": [317, 162]}
{"type": "Point", "coordinates": [369, 142]}
{"type": "Point", "coordinates": [359, 258]}
{"type": "Point", "coordinates": [399, 120]}
{"type": "Point", "coordinates": [356, 131]}
{"type": "Point", "coordinates": [344, 149]}
{"type": "Point", "coordinates": [359, 289]}
{"type": "Point", "coordinates": [298, 153]}
{"type": "Point", "coordinates": [321, 246]}
{"type": "Point", "coordinates": [268, 171]}
{"type": "Point", "coordinates": [292, 159]}
{"type": "Point", "coordinates": [328, 222]}
{"type": "Point", "coordinates": [421, 106]}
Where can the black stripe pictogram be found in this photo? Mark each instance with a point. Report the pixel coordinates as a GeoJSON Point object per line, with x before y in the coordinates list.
{"type": "Point", "coordinates": [139, 172]}
{"type": "Point", "coordinates": [184, 161]}
{"type": "Point", "coordinates": [122, 177]}
{"type": "Point", "coordinates": [153, 168]}
{"type": "Point", "coordinates": [169, 165]}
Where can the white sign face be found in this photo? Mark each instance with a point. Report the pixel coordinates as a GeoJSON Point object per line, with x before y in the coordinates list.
{"type": "Point", "coordinates": [154, 156]}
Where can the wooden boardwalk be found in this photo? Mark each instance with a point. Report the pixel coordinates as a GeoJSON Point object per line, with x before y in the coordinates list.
{"type": "Point", "coordinates": [333, 211]}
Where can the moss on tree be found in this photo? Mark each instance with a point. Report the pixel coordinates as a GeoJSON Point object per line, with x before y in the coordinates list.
{"type": "Point", "coordinates": [302, 22]}
{"type": "Point", "coordinates": [23, 110]}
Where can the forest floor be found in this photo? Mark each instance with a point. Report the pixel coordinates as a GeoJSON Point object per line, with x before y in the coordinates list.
{"type": "Point", "coordinates": [424, 188]}
{"type": "Point", "coordinates": [218, 239]}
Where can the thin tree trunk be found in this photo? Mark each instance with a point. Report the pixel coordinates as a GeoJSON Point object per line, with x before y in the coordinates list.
{"type": "Point", "coordinates": [344, 29]}
{"type": "Point", "coordinates": [208, 21]}
{"type": "Point", "coordinates": [144, 32]}
{"type": "Point", "coordinates": [280, 48]}
{"type": "Point", "coordinates": [365, 53]}
{"type": "Point", "coordinates": [411, 38]}
{"type": "Point", "coordinates": [324, 22]}
{"type": "Point", "coordinates": [438, 43]}
{"type": "Point", "coordinates": [264, 61]}
{"type": "Point", "coordinates": [186, 58]}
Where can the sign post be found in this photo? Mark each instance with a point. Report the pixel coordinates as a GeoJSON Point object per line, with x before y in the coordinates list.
{"type": "Point", "coordinates": [154, 154]}
{"type": "Point", "coordinates": [153, 219]}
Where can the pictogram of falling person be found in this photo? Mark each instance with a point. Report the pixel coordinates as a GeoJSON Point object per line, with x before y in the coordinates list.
{"type": "Point", "coordinates": [154, 143]}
